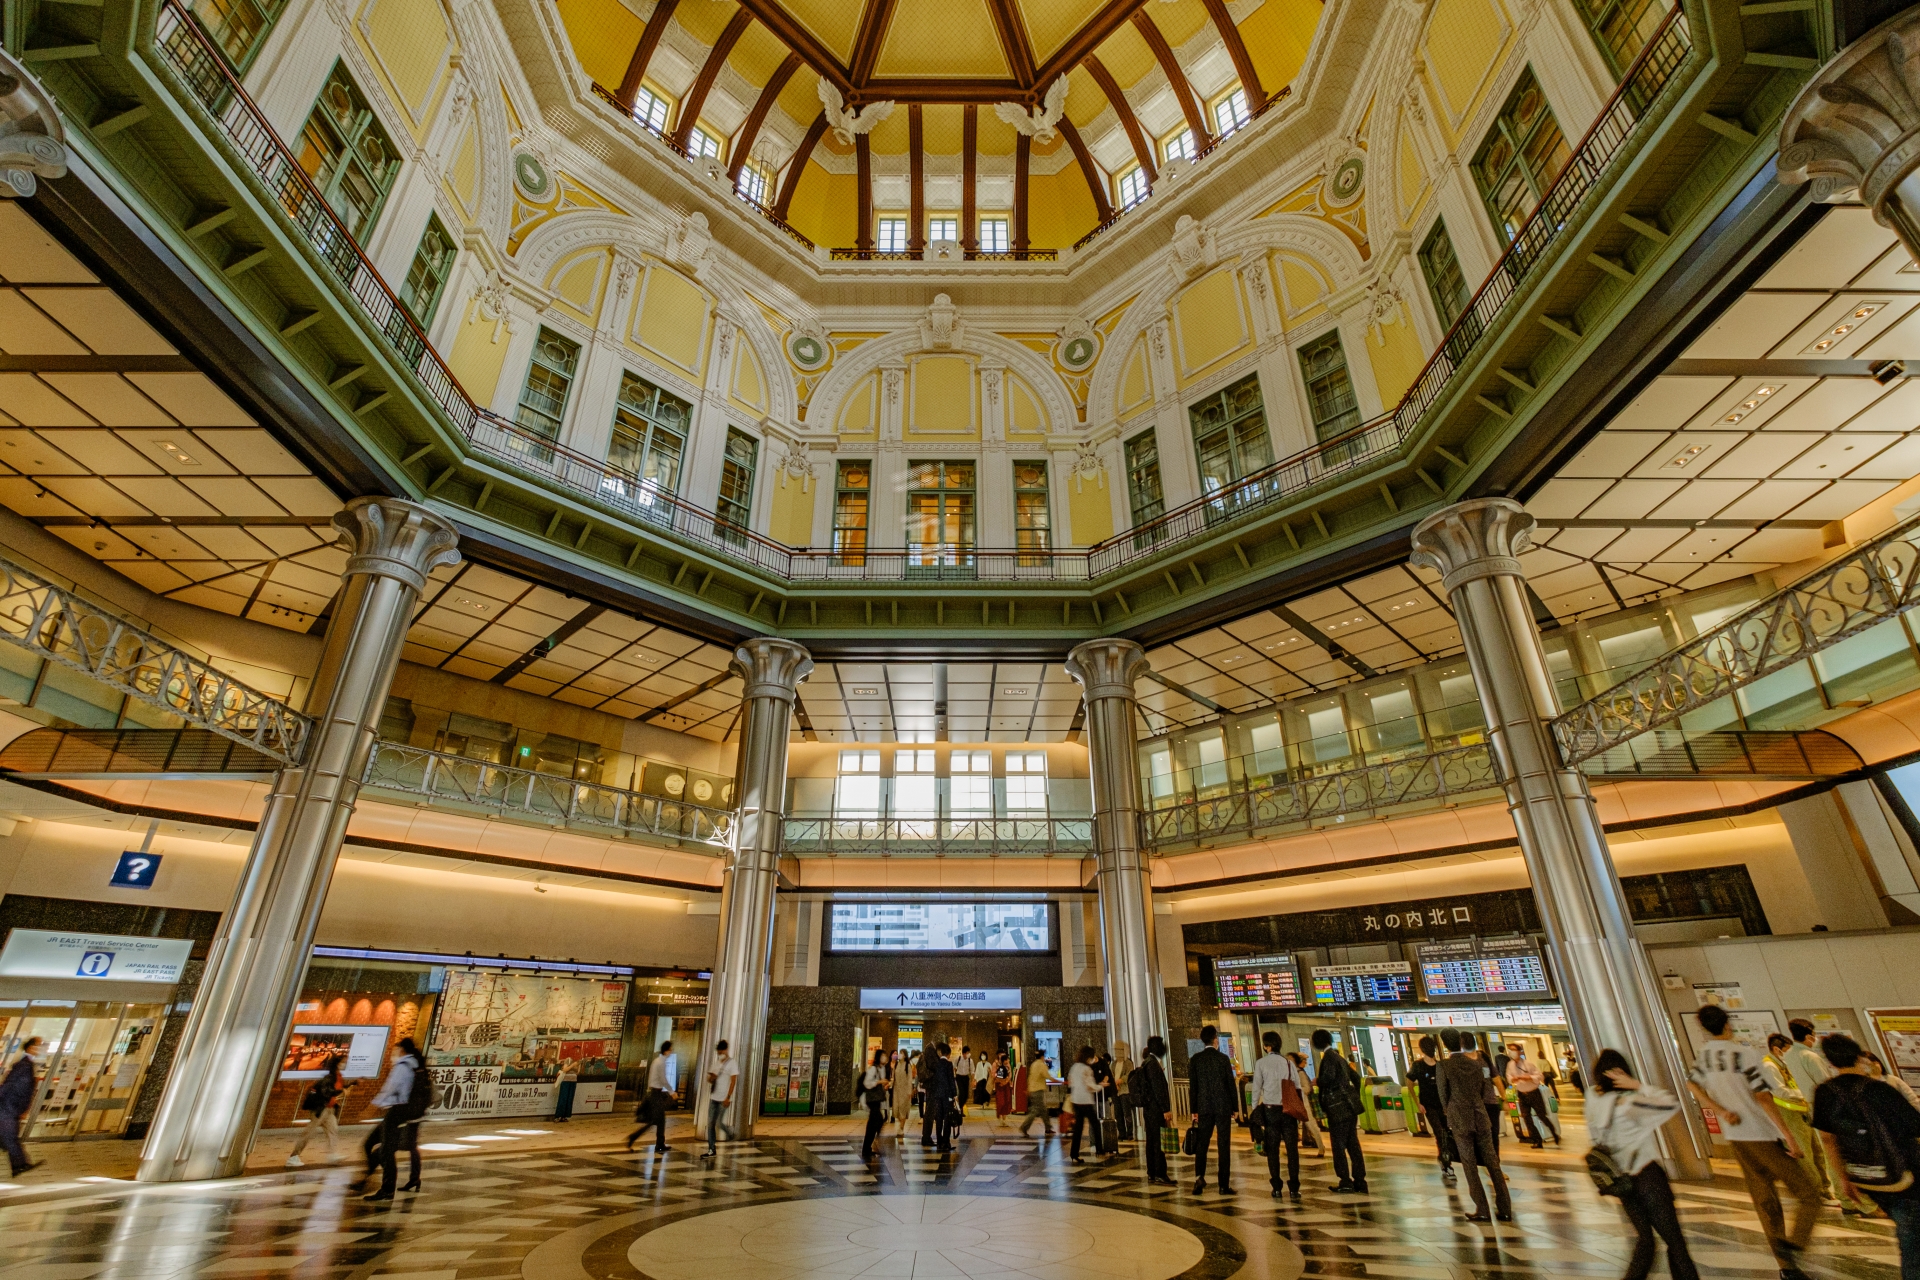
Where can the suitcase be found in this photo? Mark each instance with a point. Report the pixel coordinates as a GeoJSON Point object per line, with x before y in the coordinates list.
{"type": "Point", "coordinates": [1109, 1133]}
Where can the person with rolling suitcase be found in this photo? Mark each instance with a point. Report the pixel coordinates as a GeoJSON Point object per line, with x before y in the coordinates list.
{"type": "Point", "coordinates": [1082, 1092]}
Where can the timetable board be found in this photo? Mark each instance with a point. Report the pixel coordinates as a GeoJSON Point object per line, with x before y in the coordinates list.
{"type": "Point", "coordinates": [1482, 969]}
{"type": "Point", "coordinates": [1382, 982]}
{"type": "Point", "coordinates": [1258, 982]}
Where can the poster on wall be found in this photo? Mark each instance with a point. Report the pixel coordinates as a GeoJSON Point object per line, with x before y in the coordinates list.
{"type": "Point", "coordinates": [501, 1039]}
{"type": "Point", "coordinates": [357, 1048]}
{"type": "Point", "coordinates": [1899, 1032]}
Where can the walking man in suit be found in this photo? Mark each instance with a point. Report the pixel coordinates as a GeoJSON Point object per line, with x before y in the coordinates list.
{"type": "Point", "coordinates": [1464, 1085]}
{"type": "Point", "coordinates": [1214, 1090]}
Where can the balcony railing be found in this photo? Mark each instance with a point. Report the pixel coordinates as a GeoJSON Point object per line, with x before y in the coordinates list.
{"type": "Point", "coordinates": [435, 775]}
{"type": "Point", "coordinates": [937, 837]}
{"type": "Point", "coordinates": [205, 74]}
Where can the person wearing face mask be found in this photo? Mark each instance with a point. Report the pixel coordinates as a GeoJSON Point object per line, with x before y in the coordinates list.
{"type": "Point", "coordinates": [16, 1098]}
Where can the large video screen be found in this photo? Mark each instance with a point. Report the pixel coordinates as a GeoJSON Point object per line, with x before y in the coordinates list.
{"type": "Point", "coordinates": [939, 926]}
{"type": "Point", "coordinates": [1258, 982]}
{"type": "Point", "coordinates": [1482, 969]}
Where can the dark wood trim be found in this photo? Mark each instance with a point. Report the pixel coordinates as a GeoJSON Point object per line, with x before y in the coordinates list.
{"type": "Point", "coordinates": [969, 178]}
{"type": "Point", "coordinates": [743, 144]}
{"type": "Point", "coordinates": [1095, 182]}
{"type": "Point", "coordinates": [1081, 44]}
{"type": "Point", "coordinates": [1142, 148]}
{"type": "Point", "coordinates": [932, 91]}
{"type": "Point", "coordinates": [916, 179]}
{"type": "Point", "coordinates": [716, 58]}
{"type": "Point", "coordinates": [643, 53]}
{"type": "Point", "coordinates": [1237, 50]}
{"type": "Point", "coordinates": [797, 38]}
{"type": "Point", "coordinates": [1013, 40]}
{"type": "Point", "coordinates": [1189, 104]}
{"type": "Point", "coordinates": [863, 194]}
{"type": "Point", "coordinates": [798, 164]}
{"type": "Point", "coordinates": [1022, 166]}
{"type": "Point", "coordinates": [867, 39]}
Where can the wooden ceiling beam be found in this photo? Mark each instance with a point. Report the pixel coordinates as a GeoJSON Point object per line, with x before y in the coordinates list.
{"type": "Point", "coordinates": [969, 175]}
{"type": "Point", "coordinates": [1176, 76]}
{"type": "Point", "coordinates": [1237, 50]}
{"type": "Point", "coordinates": [794, 34]}
{"type": "Point", "coordinates": [1091, 171]}
{"type": "Point", "coordinates": [1022, 179]}
{"type": "Point", "coordinates": [643, 54]}
{"type": "Point", "coordinates": [743, 144]}
{"type": "Point", "coordinates": [863, 191]}
{"type": "Point", "coordinates": [917, 178]}
{"type": "Point", "coordinates": [1142, 149]}
{"type": "Point", "coordinates": [932, 91]}
{"type": "Point", "coordinates": [1013, 40]}
{"type": "Point", "coordinates": [872, 33]}
{"type": "Point", "coordinates": [798, 164]}
{"type": "Point", "coordinates": [716, 58]}
{"type": "Point", "coordinates": [1081, 44]}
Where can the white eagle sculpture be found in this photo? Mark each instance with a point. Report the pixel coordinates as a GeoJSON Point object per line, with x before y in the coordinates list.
{"type": "Point", "coordinates": [1039, 122]}
{"type": "Point", "coordinates": [845, 123]}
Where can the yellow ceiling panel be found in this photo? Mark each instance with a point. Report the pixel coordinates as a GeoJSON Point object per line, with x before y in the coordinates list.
{"type": "Point", "coordinates": [1050, 22]}
{"type": "Point", "coordinates": [1126, 55]}
{"type": "Point", "coordinates": [889, 137]}
{"type": "Point", "coordinates": [996, 135]}
{"type": "Point", "coordinates": [942, 38]}
{"type": "Point", "coordinates": [801, 98]}
{"type": "Point", "coordinates": [834, 22]}
{"type": "Point", "coordinates": [705, 20]}
{"type": "Point", "coordinates": [1084, 99]}
{"type": "Point", "coordinates": [942, 128]}
{"type": "Point", "coordinates": [758, 55]}
{"type": "Point", "coordinates": [1179, 20]}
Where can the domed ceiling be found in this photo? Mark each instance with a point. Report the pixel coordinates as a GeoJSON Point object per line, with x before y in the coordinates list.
{"type": "Point", "coordinates": [1063, 97]}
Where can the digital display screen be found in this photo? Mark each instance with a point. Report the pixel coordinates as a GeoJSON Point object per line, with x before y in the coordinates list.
{"type": "Point", "coordinates": [358, 1049]}
{"type": "Point", "coordinates": [939, 926]}
{"type": "Point", "coordinates": [1258, 982]}
{"type": "Point", "coordinates": [1384, 982]}
{"type": "Point", "coordinates": [1481, 969]}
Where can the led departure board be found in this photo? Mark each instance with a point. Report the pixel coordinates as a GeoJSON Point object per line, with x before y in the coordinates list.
{"type": "Point", "coordinates": [1482, 969]}
{"type": "Point", "coordinates": [1382, 982]}
{"type": "Point", "coordinates": [1258, 982]}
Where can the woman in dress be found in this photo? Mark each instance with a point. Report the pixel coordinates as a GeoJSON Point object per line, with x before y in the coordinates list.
{"type": "Point", "coordinates": [905, 1069]}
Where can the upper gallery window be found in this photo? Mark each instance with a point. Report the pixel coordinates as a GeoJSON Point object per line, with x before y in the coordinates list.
{"type": "Point", "coordinates": [892, 237]}
{"type": "Point", "coordinates": [1230, 434]}
{"type": "Point", "coordinates": [427, 277]}
{"type": "Point", "coordinates": [943, 229]}
{"type": "Point", "coordinates": [993, 235]}
{"type": "Point", "coordinates": [1144, 495]}
{"type": "Point", "coordinates": [652, 110]}
{"type": "Point", "coordinates": [852, 499]}
{"type": "Point", "coordinates": [703, 145]}
{"type": "Point", "coordinates": [1442, 269]}
{"type": "Point", "coordinates": [348, 155]}
{"type": "Point", "coordinates": [1323, 366]}
{"type": "Point", "coordinates": [1230, 112]}
{"type": "Point", "coordinates": [238, 26]}
{"type": "Point", "coordinates": [1032, 523]}
{"type": "Point", "coordinates": [1622, 28]}
{"type": "Point", "coordinates": [735, 506]}
{"type": "Point", "coordinates": [1131, 187]}
{"type": "Point", "coordinates": [543, 401]}
{"type": "Point", "coordinates": [940, 498]}
{"type": "Point", "coordinates": [752, 183]}
{"type": "Point", "coordinates": [1180, 145]}
{"type": "Point", "coordinates": [649, 439]}
{"type": "Point", "coordinates": [1524, 152]}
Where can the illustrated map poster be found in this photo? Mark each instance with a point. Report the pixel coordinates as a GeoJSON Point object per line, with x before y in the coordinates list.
{"type": "Point", "coordinates": [500, 1040]}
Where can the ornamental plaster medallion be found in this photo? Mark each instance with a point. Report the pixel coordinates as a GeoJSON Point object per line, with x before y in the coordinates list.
{"type": "Point", "coordinates": [1348, 180]}
{"type": "Point", "coordinates": [530, 175]}
{"type": "Point", "coordinates": [807, 347]}
{"type": "Point", "coordinates": [1078, 347]}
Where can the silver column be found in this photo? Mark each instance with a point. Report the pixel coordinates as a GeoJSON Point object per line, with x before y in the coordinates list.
{"type": "Point", "coordinates": [232, 1046]}
{"type": "Point", "coordinates": [1136, 1000]}
{"type": "Point", "coordinates": [1854, 131]}
{"type": "Point", "coordinates": [1605, 981]}
{"type": "Point", "coordinates": [772, 671]}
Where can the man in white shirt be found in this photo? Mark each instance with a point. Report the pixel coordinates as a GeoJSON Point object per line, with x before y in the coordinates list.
{"type": "Point", "coordinates": [720, 1085]}
{"type": "Point", "coordinates": [1271, 1075]}
{"type": "Point", "coordinates": [1726, 1077]}
{"type": "Point", "coordinates": [1526, 1078]}
{"type": "Point", "coordinates": [1810, 1069]}
{"type": "Point", "coordinates": [662, 1079]}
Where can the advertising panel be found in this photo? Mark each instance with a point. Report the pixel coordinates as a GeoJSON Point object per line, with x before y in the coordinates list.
{"type": "Point", "coordinates": [501, 1038]}
{"type": "Point", "coordinates": [359, 1048]}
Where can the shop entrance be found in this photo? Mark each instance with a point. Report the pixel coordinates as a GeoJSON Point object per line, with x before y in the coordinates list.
{"type": "Point", "coordinates": [97, 1056]}
{"type": "Point", "coordinates": [916, 1033]}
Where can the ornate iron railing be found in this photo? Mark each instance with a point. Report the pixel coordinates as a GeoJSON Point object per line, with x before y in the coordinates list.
{"type": "Point", "coordinates": [1877, 581]}
{"type": "Point", "coordinates": [436, 775]}
{"type": "Point", "coordinates": [57, 625]}
{"type": "Point", "coordinates": [937, 837]}
{"type": "Point", "coordinates": [205, 74]}
{"type": "Point", "coordinates": [1441, 775]}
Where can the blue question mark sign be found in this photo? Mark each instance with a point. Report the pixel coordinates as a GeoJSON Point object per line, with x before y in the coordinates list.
{"type": "Point", "coordinates": [135, 870]}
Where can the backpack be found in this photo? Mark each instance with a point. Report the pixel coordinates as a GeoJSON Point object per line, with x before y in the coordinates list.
{"type": "Point", "coordinates": [1138, 1085]}
{"type": "Point", "coordinates": [1609, 1179]}
{"type": "Point", "coordinates": [420, 1092]}
{"type": "Point", "coordinates": [1875, 1160]}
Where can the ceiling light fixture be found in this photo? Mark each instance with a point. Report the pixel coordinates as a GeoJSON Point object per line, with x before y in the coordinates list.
{"type": "Point", "coordinates": [1680, 460]}
{"type": "Point", "coordinates": [1752, 402]}
{"type": "Point", "coordinates": [1826, 342]}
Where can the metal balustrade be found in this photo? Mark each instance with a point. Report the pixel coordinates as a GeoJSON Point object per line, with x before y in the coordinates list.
{"type": "Point", "coordinates": [1745, 753]}
{"type": "Point", "coordinates": [1875, 583]}
{"type": "Point", "coordinates": [842, 837]}
{"type": "Point", "coordinates": [210, 81]}
{"type": "Point", "coordinates": [121, 753]}
{"type": "Point", "coordinates": [436, 775]}
{"type": "Point", "coordinates": [53, 623]}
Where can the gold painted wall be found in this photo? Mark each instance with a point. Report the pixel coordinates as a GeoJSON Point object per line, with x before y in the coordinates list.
{"type": "Point", "coordinates": [943, 398]}
{"type": "Point", "coordinates": [604, 34]}
{"type": "Point", "coordinates": [1090, 507]}
{"type": "Point", "coordinates": [791, 518]}
{"type": "Point", "coordinates": [1210, 324]}
{"type": "Point", "coordinates": [670, 319]}
{"type": "Point", "coordinates": [578, 281]}
{"type": "Point", "coordinates": [1397, 357]}
{"type": "Point", "coordinates": [1059, 209]}
{"type": "Point", "coordinates": [1277, 35]}
{"type": "Point", "coordinates": [823, 207]}
{"type": "Point", "coordinates": [860, 411]}
{"type": "Point", "coordinates": [477, 358]}
{"type": "Point", "coordinates": [1135, 391]}
{"type": "Point", "coordinates": [749, 386]}
{"type": "Point", "coordinates": [410, 44]}
{"type": "Point", "coordinates": [1465, 41]}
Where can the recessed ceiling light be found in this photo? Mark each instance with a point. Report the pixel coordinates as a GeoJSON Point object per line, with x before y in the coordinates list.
{"type": "Point", "coordinates": [1826, 342]}
{"type": "Point", "coordinates": [1016, 693]}
{"type": "Point", "coordinates": [1680, 460]}
{"type": "Point", "coordinates": [864, 692]}
{"type": "Point", "coordinates": [1752, 402]}
{"type": "Point", "coordinates": [179, 455]}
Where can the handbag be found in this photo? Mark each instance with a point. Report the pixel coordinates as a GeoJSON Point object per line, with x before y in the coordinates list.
{"type": "Point", "coordinates": [1169, 1141]}
{"type": "Point", "coordinates": [1190, 1141]}
{"type": "Point", "coordinates": [1609, 1179]}
{"type": "Point", "coordinates": [1291, 1103]}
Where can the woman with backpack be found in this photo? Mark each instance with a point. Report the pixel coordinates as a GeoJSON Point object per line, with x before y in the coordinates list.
{"type": "Point", "coordinates": [1872, 1136]}
{"type": "Point", "coordinates": [323, 1104]}
{"type": "Point", "coordinates": [1624, 1118]}
{"type": "Point", "coordinates": [876, 1092]}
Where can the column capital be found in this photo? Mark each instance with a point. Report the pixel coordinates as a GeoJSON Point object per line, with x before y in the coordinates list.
{"type": "Point", "coordinates": [771, 667]}
{"type": "Point", "coordinates": [1854, 131]}
{"type": "Point", "coordinates": [1106, 668]}
{"type": "Point", "coordinates": [1475, 539]}
{"type": "Point", "coordinates": [397, 539]}
{"type": "Point", "coordinates": [33, 142]}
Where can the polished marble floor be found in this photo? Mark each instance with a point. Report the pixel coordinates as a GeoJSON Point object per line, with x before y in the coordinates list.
{"type": "Point", "coordinates": [802, 1206]}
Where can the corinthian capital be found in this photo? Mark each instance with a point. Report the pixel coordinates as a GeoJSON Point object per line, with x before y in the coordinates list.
{"type": "Point", "coordinates": [1106, 668]}
{"type": "Point", "coordinates": [33, 142]}
{"type": "Point", "coordinates": [397, 539]}
{"type": "Point", "coordinates": [1854, 131]}
{"type": "Point", "coordinates": [1475, 539]}
{"type": "Point", "coordinates": [771, 667]}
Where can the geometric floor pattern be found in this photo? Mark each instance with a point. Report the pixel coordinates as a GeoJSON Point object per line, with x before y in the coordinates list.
{"type": "Point", "coordinates": [808, 1209]}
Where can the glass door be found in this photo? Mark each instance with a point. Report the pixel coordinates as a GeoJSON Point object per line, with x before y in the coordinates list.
{"type": "Point", "coordinates": [96, 1055]}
